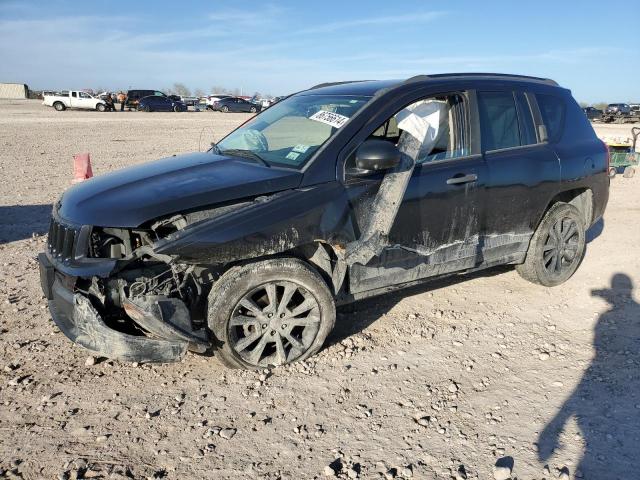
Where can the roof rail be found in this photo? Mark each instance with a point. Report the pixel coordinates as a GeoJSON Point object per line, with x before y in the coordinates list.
{"type": "Point", "coordinates": [331, 84]}
{"type": "Point", "coordinates": [419, 78]}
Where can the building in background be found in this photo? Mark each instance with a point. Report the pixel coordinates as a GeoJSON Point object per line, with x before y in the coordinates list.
{"type": "Point", "coordinates": [14, 90]}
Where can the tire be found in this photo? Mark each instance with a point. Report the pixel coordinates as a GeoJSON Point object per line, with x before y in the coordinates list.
{"type": "Point", "coordinates": [252, 109]}
{"type": "Point", "coordinates": [259, 336]}
{"type": "Point", "coordinates": [59, 106]}
{"type": "Point", "coordinates": [541, 265]}
{"type": "Point", "coordinates": [144, 108]}
{"type": "Point", "coordinates": [225, 109]}
{"type": "Point", "coordinates": [612, 172]}
{"type": "Point", "coordinates": [629, 172]}
{"type": "Point", "coordinates": [100, 107]}
{"type": "Point", "coordinates": [177, 108]}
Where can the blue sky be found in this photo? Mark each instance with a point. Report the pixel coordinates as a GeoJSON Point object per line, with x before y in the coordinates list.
{"type": "Point", "coordinates": [282, 46]}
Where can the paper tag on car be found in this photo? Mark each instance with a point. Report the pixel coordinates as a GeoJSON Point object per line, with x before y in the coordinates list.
{"type": "Point", "coordinates": [292, 155]}
{"type": "Point", "coordinates": [330, 118]}
{"type": "Point", "coordinates": [300, 148]}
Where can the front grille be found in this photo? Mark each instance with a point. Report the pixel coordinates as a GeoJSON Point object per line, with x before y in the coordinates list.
{"type": "Point", "coordinates": [62, 240]}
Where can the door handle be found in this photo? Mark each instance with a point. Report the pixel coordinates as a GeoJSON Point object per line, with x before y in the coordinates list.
{"type": "Point", "coordinates": [472, 177]}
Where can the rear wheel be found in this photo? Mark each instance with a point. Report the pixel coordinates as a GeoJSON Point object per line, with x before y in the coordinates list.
{"type": "Point", "coordinates": [556, 248]}
{"type": "Point", "coordinates": [225, 109]}
{"type": "Point", "coordinates": [59, 106]}
{"type": "Point", "coordinates": [271, 312]}
{"type": "Point", "coordinates": [612, 172]}
{"type": "Point", "coordinates": [144, 108]}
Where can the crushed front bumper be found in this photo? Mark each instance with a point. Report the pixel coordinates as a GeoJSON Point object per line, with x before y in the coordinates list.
{"type": "Point", "coordinates": [76, 317]}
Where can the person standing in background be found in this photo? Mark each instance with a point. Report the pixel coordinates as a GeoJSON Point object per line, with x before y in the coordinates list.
{"type": "Point", "coordinates": [122, 99]}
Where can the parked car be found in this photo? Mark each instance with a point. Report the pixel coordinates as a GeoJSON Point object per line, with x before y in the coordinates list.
{"type": "Point", "coordinates": [74, 99]}
{"type": "Point", "coordinates": [211, 99]}
{"type": "Point", "coordinates": [235, 104]}
{"type": "Point", "coordinates": [335, 194]}
{"type": "Point", "coordinates": [189, 101]}
{"type": "Point", "coordinates": [618, 109]}
{"type": "Point", "coordinates": [134, 96]}
{"type": "Point", "coordinates": [592, 113]}
{"type": "Point", "coordinates": [154, 103]}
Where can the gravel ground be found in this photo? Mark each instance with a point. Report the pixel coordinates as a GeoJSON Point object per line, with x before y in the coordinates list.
{"type": "Point", "coordinates": [482, 377]}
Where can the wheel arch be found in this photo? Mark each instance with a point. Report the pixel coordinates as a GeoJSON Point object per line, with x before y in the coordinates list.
{"type": "Point", "coordinates": [581, 198]}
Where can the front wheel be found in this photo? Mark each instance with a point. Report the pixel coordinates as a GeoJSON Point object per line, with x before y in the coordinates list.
{"type": "Point", "coordinates": [272, 312]}
{"type": "Point", "coordinates": [556, 248]}
{"type": "Point", "coordinates": [252, 109]}
{"type": "Point", "coordinates": [100, 107]}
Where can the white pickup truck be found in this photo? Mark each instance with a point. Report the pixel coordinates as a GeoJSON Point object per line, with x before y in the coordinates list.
{"type": "Point", "coordinates": [74, 99]}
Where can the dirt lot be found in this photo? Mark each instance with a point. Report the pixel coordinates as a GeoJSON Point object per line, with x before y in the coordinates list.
{"type": "Point", "coordinates": [442, 381]}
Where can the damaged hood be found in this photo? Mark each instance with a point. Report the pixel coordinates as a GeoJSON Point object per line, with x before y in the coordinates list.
{"type": "Point", "coordinates": [134, 195]}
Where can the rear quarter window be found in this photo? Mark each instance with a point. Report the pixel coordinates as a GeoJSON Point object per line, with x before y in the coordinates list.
{"type": "Point", "coordinates": [552, 109]}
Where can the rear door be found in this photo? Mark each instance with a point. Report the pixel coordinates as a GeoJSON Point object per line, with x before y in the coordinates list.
{"type": "Point", "coordinates": [523, 171]}
{"type": "Point", "coordinates": [74, 100]}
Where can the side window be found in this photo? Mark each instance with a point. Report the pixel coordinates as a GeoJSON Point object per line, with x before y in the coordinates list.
{"type": "Point", "coordinates": [439, 122]}
{"type": "Point", "coordinates": [552, 111]}
{"type": "Point", "coordinates": [498, 120]}
{"type": "Point", "coordinates": [525, 120]}
{"type": "Point", "coordinates": [74, 94]}
{"type": "Point", "coordinates": [84, 95]}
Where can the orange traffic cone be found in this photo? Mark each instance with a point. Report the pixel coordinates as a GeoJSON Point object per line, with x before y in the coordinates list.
{"type": "Point", "coordinates": [81, 167]}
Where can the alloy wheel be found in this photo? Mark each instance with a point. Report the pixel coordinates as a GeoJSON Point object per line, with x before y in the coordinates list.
{"type": "Point", "coordinates": [274, 324]}
{"type": "Point", "coordinates": [561, 247]}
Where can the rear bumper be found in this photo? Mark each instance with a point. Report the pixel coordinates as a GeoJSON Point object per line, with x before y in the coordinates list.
{"type": "Point", "coordinates": [76, 317]}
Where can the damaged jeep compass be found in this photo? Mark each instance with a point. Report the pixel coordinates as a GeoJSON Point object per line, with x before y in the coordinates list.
{"type": "Point", "coordinates": [336, 193]}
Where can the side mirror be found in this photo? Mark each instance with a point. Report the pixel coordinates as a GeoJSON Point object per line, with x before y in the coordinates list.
{"type": "Point", "coordinates": [375, 155]}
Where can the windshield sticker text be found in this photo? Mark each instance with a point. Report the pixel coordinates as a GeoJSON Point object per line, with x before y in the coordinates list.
{"type": "Point", "coordinates": [300, 148]}
{"type": "Point", "coordinates": [330, 118]}
{"type": "Point", "coordinates": [292, 155]}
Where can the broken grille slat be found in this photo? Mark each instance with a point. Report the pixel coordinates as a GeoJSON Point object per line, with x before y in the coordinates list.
{"type": "Point", "coordinates": [61, 241]}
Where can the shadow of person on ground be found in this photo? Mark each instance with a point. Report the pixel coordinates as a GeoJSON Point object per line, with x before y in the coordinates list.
{"type": "Point", "coordinates": [18, 222]}
{"type": "Point", "coordinates": [606, 403]}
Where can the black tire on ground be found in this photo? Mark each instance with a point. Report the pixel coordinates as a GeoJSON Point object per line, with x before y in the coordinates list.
{"type": "Point", "coordinates": [629, 172]}
{"type": "Point", "coordinates": [556, 248]}
{"type": "Point", "coordinates": [177, 108]}
{"type": "Point", "coordinates": [100, 107]}
{"type": "Point", "coordinates": [225, 109]}
{"type": "Point", "coordinates": [252, 109]}
{"type": "Point", "coordinates": [144, 108]}
{"type": "Point", "coordinates": [612, 172]}
{"type": "Point", "coordinates": [270, 312]}
{"type": "Point", "coordinates": [59, 106]}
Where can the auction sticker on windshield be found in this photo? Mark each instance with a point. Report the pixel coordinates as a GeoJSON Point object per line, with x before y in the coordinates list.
{"type": "Point", "coordinates": [330, 118]}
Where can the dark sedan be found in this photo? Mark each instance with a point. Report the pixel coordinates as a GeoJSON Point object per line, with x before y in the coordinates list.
{"type": "Point", "coordinates": [154, 103]}
{"type": "Point", "coordinates": [233, 104]}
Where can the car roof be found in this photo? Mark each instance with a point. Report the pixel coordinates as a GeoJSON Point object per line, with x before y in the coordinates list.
{"type": "Point", "coordinates": [371, 87]}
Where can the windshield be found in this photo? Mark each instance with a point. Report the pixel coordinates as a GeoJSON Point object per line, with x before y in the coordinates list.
{"type": "Point", "coordinates": [291, 131]}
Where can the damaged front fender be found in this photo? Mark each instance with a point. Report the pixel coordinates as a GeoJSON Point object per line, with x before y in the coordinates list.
{"type": "Point", "coordinates": [267, 226]}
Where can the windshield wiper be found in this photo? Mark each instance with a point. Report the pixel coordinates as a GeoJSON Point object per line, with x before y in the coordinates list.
{"type": "Point", "coordinates": [238, 152]}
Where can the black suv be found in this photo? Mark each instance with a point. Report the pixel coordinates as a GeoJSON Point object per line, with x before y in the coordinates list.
{"type": "Point", "coordinates": [337, 193]}
{"type": "Point", "coordinates": [134, 96]}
